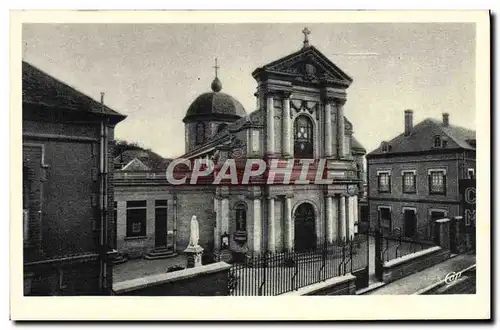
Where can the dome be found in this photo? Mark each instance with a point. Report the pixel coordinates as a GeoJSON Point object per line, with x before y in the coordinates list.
{"type": "Point", "coordinates": [215, 105]}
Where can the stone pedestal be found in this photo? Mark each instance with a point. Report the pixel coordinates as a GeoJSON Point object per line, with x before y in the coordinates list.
{"type": "Point", "coordinates": [193, 254]}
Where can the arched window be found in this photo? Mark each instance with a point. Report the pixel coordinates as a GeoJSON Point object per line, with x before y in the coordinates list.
{"type": "Point", "coordinates": [303, 145]}
{"type": "Point", "coordinates": [438, 142]}
{"type": "Point", "coordinates": [200, 133]}
{"type": "Point", "coordinates": [241, 217]}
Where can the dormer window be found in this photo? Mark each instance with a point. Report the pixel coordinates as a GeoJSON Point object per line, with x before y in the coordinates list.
{"type": "Point", "coordinates": [438, 142]}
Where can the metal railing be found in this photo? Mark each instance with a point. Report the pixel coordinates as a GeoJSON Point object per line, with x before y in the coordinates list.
{"type": "Point", "coordinates": [269, 274]}
{"type": "Point", "coordinates": [398, 243]}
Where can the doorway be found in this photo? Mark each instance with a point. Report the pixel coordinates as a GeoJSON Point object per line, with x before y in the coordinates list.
{"type": "Point", "coordinates": [305, 228]}
{"type": "Point", "coordinates": [161, 224]}
{"type": "Point", "coordinates": [410, 223]}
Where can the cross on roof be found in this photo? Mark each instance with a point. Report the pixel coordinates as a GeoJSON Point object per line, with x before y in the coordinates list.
{"type": "Point", "coordinates": [306, 32]}
{"type": "Point", "coordinates": [216, 67]}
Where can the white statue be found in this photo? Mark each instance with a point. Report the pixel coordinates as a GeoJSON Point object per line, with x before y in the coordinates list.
{"type": "Point", "coordinates": [195, 232]}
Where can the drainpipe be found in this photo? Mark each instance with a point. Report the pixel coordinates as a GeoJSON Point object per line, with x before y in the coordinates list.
{"type": "Point", "coordinates": [101, 204]}
{"type": "Point", "coordinates": [104, 200]}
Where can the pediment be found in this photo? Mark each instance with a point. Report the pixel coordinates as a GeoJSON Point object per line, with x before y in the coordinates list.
{"type": "Point", "coordinates": [308, 64]}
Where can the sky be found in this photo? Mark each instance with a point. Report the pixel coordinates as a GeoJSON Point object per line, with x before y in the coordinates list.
{"type": "Point", "coordinates": [152, 72]}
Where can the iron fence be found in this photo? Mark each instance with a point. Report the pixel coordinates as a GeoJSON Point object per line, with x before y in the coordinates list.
{"type": "Point", "coordinates": [269, 274]}
{"type": "Point", "coordinates": [399, 243]}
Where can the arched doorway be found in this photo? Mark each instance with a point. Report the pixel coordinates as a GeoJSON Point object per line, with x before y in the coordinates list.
{"type": "Point", "coordinates": [305, 227]}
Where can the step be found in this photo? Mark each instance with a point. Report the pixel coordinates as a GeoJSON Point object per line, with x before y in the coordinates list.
{"type": "Point", "coordinates": [119, 260]}
{"type": "Point", "coordinates": [371, 287]}
{"type": "Point", "coordinates": [160, 254]}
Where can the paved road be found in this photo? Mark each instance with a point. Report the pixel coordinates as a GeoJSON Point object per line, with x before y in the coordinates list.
{"type": "Point", "coordinates": [133, 269]}
{"type": "Point", "coordinates": [418, 281]}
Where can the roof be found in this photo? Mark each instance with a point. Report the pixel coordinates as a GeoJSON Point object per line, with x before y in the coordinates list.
{"type": "Point", "coordinates": [41, 88]}
{"type": "Point", "coordinates": [422, 137]}
{"type": "Point", "coordinates": [141, 160]}
{"type": "Point", "coordinates": [215, 103]}
{"type": "Point", "coordinates": [356, 146]}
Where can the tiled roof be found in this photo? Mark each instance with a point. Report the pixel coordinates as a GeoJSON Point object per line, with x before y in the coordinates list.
{"type": "Point", "coordinates": [41, 88]}
{"type": "Point", "coordinates": [422, 137]}
{"type": "Point", "coordinates": [355, 145]}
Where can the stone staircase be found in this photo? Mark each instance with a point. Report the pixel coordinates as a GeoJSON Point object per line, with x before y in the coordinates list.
{"type": "Point", "coordinates": [160, 253]}
{"type": "Point", "coordinates": [120, 259]}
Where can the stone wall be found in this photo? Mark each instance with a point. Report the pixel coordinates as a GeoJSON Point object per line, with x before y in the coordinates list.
{"type": "Point", "coordinates": [412, 263]}
{"type": "Point", "coordinates": [337, 286]}
{"type": "Point", "coordinates": [207, 280]}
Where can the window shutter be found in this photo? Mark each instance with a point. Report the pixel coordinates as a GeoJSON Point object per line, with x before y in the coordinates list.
{"type": "Point", "coordinates": [430, 182]}
{"type": "Point", "coordinates": [415, 182]}
{"type": "Point", "coordinates": [389, 183]}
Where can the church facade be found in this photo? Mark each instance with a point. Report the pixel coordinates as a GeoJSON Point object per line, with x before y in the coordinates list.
{"type": "Point", "coordinates": [299, 118]}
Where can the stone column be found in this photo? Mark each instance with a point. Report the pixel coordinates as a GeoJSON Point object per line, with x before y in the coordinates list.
{"type": "Point", "coordinates": [218, 221]}
{"type": "Point", "coordinates": [329, 219]}
{"type": "Point", "coordinates": [270, 126]}
{"type": "Point", "coordinates": [341, 128]}
{"type": "Point", "coordinates": [328, 129]}
{"type": "Point", "coordinates": [286, 145]}
{"type": "Point", "coordinates": [225, 215]}
{"type": "Point", "coordinates": [342, 218]}
{"type": "Point", "coordinates": [289, 226]}
{"type": "Point", "coordinates": [257, 226]}
{"type": "Point", "coordinates": [356, 214]}
{"type": "Point", "coordinates": [350, 209]}
{"type": "Point", "coordinates": [271, 226]}
{"type": "Point", "coordinates": [335, 214]}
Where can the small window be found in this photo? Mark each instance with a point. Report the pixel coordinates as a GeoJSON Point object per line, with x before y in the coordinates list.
{"type": "Point", "coordinates": [471, 174]}
{"type": "Point", "coordinates": [384, 182]}
{"type": "Point", "coordinates": [385, 147]}
{"type": "Point", "coordinates": [409, 182]}
{"type": "Point", "coordinates": [136, 218]}
{"type": "Point", "coordinates": [438, 142]}
{"type": "Point", "coordinates": [221, 127]}
{"type": "Point", "coordinates": [437, 182]}
{"type": "Point", "coordinates": [241, 217]}
{"type": "Point", "coordinates": [200, 133]}
{"type": "Point", "coordinates": [385, 217]}
{"type": "Point", "coordinates": [26, 202]}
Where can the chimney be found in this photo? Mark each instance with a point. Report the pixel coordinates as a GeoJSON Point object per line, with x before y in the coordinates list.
{"type": "Point", "coordinates": [446, 119]}
{"type": "Point", "coordinates": [408, 122]}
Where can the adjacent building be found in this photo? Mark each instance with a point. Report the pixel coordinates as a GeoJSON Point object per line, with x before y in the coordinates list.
{"type": "Point", "coordinates": [413, 179]}
{"type": "Point", "coordinates": [69, 231]}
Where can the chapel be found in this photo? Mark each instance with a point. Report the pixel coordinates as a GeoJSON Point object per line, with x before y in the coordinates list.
{"type": "Point", "coordinates": [300, 114]}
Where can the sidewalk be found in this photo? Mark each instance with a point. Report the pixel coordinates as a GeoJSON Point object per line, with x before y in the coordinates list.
{"type": "Point", "coordinates": [418, 281]}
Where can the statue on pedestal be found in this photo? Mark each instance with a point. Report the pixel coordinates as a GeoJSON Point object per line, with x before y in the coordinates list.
{"type": "Point", "coordinates": [193, 250]}
{"type": "Point", "coordinates": [195, 232]}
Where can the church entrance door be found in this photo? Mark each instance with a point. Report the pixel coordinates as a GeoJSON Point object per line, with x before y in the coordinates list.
{"type": "Point", "coordinates": [305, 228]}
